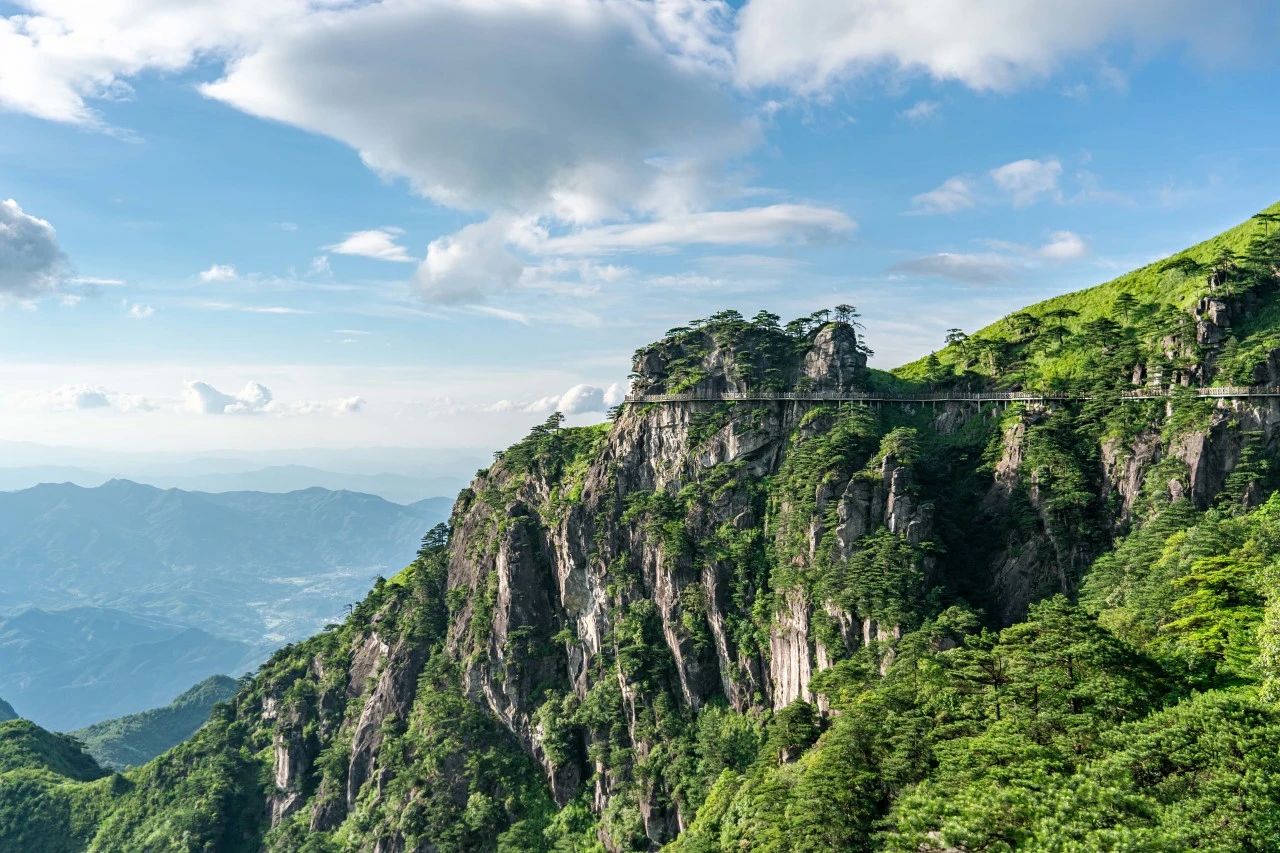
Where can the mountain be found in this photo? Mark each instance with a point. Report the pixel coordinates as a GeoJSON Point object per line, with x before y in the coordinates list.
{"type": "Point", "coordinates": [398, 474]}
{"type": "Point", "coordinates": [398, 488]}
{"type": "Point", "coordinates": [118, 597]}
{"type": "Point", "coordinates": [137, 738]}
{"type": "Point", "coordinates": [7, 712]}
{"type": "Point", "coordinates": [251, 566]}
{"type": "Point", "coordinates": [69, 668]}
{"type": "Point", "coordinates": [784, 602]}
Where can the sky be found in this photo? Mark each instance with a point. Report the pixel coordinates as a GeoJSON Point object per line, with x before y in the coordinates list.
{"type": "Point", "coordinates": [273, 224]}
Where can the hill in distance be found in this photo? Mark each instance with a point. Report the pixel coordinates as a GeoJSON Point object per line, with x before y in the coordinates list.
{"type": "Point", "coordinates": [801, 625]}
{"type": "Point", "coordinates": [137, 738]}
{"type": "Point", "coordinates": [7, 712]}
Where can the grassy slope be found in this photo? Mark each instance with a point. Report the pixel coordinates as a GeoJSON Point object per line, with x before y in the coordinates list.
{"type": "Point", "coordinates": [1150, 284]}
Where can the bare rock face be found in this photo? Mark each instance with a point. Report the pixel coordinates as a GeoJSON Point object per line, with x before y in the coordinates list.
{"type": "Point", "coordinates": [390, 698]}
{"type": "Point", "coordinates": [1213, 318]}
{"type": "Point", "coordinates": [1125, 466]}
{"type": "Point", "coordinates": [835, 362]}
{"type": "Point", "coordinates": [1031, 563]}
{"type": "Point", "coordinates": [294, 754]}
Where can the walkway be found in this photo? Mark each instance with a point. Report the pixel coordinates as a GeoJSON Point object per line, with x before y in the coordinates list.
{"type": "Point", "coordinates": [1225, 393]}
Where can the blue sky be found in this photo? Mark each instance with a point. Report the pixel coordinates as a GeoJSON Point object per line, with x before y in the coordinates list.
{"type": "Point", "coordinates": [285, 223]}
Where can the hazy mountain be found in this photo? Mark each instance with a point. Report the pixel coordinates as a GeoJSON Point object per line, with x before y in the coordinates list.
{"type": "Point", "coordinates": [255, 567]}
{"type": "Point", "coordinates": [116, 598]}
{"type": "Point", "coordinates": [402, 475]}
{"type": "Point", "coordinates": [137, 738]}
{"type": "Point", "coordinates": [70, 668]}
{"type": "Point", "coordinates": [7, 712]}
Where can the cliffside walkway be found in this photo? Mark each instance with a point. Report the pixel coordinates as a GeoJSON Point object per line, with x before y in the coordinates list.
{"type": "Point", "coordinates": [1224, 393]}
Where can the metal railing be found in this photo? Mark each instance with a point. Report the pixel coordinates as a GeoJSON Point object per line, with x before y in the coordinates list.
{"type": "Point", "coordinates": [1228, 393]}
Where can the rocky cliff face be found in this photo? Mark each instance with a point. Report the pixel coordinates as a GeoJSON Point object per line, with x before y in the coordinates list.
{"type": "Point", "coordinates": [682, 556]}
{"type": "Point", "coordinates": [603, 582]}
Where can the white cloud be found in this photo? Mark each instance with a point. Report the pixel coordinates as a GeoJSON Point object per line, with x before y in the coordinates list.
{"type": "Point", "coordinates": [921, 111]}
{"type": "Point", "coordinates": [810, 45]}
{"type": "Point", "coordinates": [578, 400]}
{"type": "Point", "coordinates": [1005, 263]}
{"type": "Point", "coordinates": [772, 225]}
{"type": "Point", "coordinates": [377, 243]}
{"type": "Point", "coordinates": [320, 266]}
{"type": "Point", "coordinates": [979, 268]}
{"type": "Point", "coordinates": [204, 399]}
{"type": "Point", "coordinates": [465, 266]}
{"type": "Point", "coordinates": [31, 261]}
{"type": "Point", "coordinates": [219, 272]}
{"type": "Point", "coordinates": [62, 55]}
{"type": "Point", "coordinates": [1026, 181]}
{"type": "Point", "coordinates": [256, 399]}
{"type": "Point", "coordinates": [451, 96]}
{"type": "Point", "coordinates": [81, 397]}
{"type": "Point", "coordinates": [138, 311]}
{"type": "Point", "coordinates": [1063, 246]}
{"type": "Point", "coordinates": [953, 195]}
{"type": "Point", "coordinates": [283, 310]}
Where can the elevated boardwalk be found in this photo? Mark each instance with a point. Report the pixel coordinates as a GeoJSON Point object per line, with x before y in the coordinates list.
{"type": "Point", "coordinates": [1005, 397]}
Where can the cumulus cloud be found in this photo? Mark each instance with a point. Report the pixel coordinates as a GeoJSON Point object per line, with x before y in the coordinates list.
{"type": "Point", "coordinates": [1063, 246]}
{"type": "Point", "coordinates": [138, 311]}
{"type": "Point", "coordinates": [79, 397]}
{"type": "Point", "coordinates": [954, 194]}
{"type": "Point", "coordinates": [1026, 181]}
{"type": "Point", "coordinates": [203, 398]}
{"type": "Point", "coordinates": [219, 272]}
{"type": "Point", "coordinates": [467, 265]}
{"type": "Point", "coordinates": [31, 261]}
{"type": "Point", "coordinates": [256, 399]}
{"type": "Point", "coordinates": [578, 400]}
{"type": "Point", "coordinates": [450, 96]}
{"type": "Point", "coordinates": [810, 45]}
{"type": "Point", "coordinates": [377, 243]}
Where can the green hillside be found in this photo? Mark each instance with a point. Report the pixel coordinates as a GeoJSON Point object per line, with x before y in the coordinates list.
{"type": "Point", "coordinates": [137, 738]}
{"type": "Point", "coordinates": [26, 746]}
{"type": "Point", "coordinates": [1055, 344]}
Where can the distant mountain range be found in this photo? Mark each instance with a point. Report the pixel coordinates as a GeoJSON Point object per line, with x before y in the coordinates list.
{"type": "Point", "coordinates": [7, 712]}
{"type": "Point", "coordinates": [398, 488]}
{"type": "Point", "coordinates": [402, 475]}
{"type": "Point", "coordinates": [114, 599]}
{"type": "Point", "coordinates": [70, 668]}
